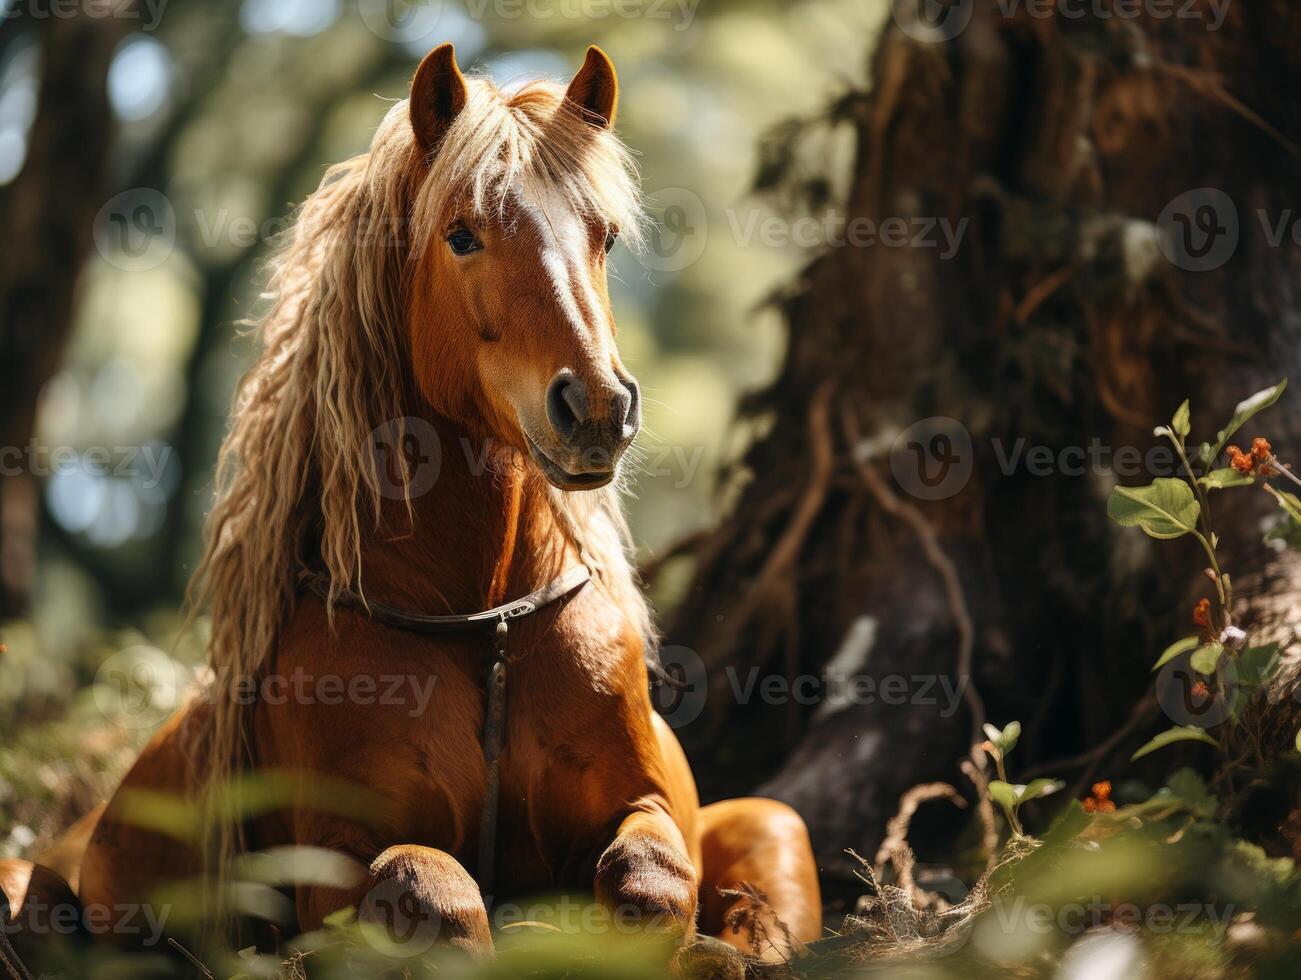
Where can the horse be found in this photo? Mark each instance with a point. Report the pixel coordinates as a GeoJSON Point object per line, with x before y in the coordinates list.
{"type": "Point", "coordinates": [435, 425]}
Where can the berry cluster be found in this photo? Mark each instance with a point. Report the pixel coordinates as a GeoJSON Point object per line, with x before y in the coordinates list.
{"type": "Point", "coordinates": [1100, 801]}
{"type": "Point", "coordinates": [1255, 461]}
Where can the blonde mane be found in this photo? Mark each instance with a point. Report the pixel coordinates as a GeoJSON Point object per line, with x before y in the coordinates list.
{"type": "Point", "coordinates": [296, 477]}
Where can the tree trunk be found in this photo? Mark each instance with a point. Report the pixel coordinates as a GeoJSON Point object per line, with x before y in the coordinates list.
{"type": "Point", "coordinates": [1069, 317]}
{"type": "Point", "coordinates": [47, 213]}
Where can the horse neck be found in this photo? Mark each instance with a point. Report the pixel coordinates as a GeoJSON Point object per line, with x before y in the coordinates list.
{"type": "Point", "coordinates": [482, 534]}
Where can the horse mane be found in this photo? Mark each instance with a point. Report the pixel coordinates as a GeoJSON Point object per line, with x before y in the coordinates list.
{"type": "Point", "coordinates": [296, 477]}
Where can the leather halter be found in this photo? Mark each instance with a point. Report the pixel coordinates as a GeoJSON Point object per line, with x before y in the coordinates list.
{"type": "Point", "coordinates": [497, 621]}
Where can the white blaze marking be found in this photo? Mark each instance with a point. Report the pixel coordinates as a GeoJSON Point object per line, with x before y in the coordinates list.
{"type": "Point", "coordinates": [562, 235]}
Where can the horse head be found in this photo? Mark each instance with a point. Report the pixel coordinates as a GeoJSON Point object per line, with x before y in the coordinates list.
{"type": "Point", "coordinates": [523, 197]}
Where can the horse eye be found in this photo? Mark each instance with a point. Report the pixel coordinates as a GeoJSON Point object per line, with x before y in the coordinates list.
{"type": "Point", "coordinates": [611, 237]}
{"type": "Point", "coordinates": [463, 242]}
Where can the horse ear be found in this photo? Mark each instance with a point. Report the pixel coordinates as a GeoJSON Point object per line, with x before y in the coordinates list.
{"type": "Point", "coordinates": [437, 95]}
{"type": "Point", "coordinates": [595, 89]}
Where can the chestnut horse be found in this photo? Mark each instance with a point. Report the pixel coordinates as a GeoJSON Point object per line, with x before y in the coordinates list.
{"type": "Point", "coordinates": [449, 287]}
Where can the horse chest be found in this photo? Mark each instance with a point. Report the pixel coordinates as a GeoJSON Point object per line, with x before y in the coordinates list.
{"type": "Point", "coordinates": [564, 743]}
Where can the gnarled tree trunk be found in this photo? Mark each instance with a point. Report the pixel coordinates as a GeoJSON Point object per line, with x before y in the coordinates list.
{"type": "Point", "coordinates": [1071, 317]}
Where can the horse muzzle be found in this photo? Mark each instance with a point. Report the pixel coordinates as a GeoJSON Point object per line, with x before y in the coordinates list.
{"type": "Point", "coordinates": [589, 430]}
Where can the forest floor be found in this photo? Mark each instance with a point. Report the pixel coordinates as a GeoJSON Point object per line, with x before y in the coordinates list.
{"type": "Point", "coordinates": [1128, 882]}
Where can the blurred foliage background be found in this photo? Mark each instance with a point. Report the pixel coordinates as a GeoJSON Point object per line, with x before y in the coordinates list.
{"type": "Point", "coordinates": [226, 114]}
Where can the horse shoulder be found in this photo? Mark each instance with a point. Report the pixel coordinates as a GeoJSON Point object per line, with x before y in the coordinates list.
{"type": "Point", "coordinates": [126, 859]}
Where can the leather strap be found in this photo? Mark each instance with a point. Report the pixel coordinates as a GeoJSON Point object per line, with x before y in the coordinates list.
{"type": "Point", "coordinates": [570, 581]}
{"type": "Point", "coordinates": [493, 737]}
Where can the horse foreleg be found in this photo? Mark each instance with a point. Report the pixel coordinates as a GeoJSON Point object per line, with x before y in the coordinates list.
{"type": "Point", "coordinates": [38, 908]}
{"type": "Point", "coordinates": [420, 895]}
{"type": "Point", "coordinates": [646, 871]}
{"type": "Point", "coordinates": [760, 846]}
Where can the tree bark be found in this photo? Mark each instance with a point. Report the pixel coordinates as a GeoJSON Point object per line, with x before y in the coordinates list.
{"type": "Point", "coordinates": [1057, 322]}
{"type": "Point", "coordinates": [47, 213]}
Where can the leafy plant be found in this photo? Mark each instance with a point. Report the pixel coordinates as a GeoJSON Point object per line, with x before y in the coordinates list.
{"type": "Point", "coordinates": [1171, 508]}
{"type": "Point", "coordinates": [1008, 795]}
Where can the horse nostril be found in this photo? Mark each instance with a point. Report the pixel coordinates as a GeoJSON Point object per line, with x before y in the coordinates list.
{"type": "Point", "coordinates": [623, 406]}
{"type": "Point", "coordinates": [567, 405]}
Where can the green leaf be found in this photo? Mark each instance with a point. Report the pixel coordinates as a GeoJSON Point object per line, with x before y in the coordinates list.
{"type": "Point", "coordinates": [1290, 503]}
{"type": "Point", "coordinates": [1005, 740]}
{"type": "Point", "coordinates": [1011, 735]}
{"type": "Point", "coordinates": [1182, 423]}
{"type": "Point", "coordinates": [1011, 795]}
{"type": "Point", "coordinates": [1206, 658]}
{"type": "Point", "coordinates": [1004, 794]}
{"type": "Point", "coordinates": [1247, 408]}
{"type": "Point", "coordinates": [1298, 740]}
{"type": "Point", "coordinates": [1226, 477]}
{"type": "Point", "coordinates": [1041, 787]}
{"type": "Point", "coordinates": [1182, 733]}
{"type": "Point", "coordinates": [1165, 509]}
{"type": "Point", "coordinates": [1174, 649]}
{"type": "Point", "coordinates": [1256, 665]}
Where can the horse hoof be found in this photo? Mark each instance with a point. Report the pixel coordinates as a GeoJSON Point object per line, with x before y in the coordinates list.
{"type": "Point", "coordinates": [707, 958]}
